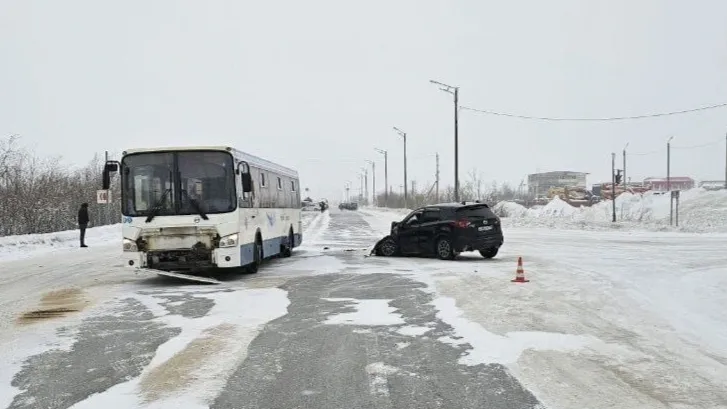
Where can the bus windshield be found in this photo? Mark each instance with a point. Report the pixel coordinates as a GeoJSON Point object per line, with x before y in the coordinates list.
{"type": "Point", "coordinates": [178, 183]}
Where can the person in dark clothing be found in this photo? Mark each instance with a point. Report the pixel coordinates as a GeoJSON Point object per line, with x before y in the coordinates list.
{"type": "Point", "coordinates": [83, 220]}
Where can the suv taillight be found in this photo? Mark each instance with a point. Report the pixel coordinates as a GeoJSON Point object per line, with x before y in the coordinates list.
{"type": "Point", "coordinates": [462, 223]}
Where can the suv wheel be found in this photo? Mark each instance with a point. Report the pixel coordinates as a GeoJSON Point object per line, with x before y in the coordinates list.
{"type": "Point", "coordinates": [387, 248]}
{"type": "Point", "coordinates": [489, 253]}
{"type": "Point", "coordinates": [444, 249]}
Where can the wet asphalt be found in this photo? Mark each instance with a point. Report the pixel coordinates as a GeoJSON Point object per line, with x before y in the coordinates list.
{"type": "Point", "coordinates": [295, 361]}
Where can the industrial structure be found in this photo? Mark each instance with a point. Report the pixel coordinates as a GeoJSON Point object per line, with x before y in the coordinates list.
{"type": "Point", "coordinates": [712, 184]}
{"type": "Point", "coordinates": [540, 183]}
{"type": "Point", "coordinates": [673, 183]}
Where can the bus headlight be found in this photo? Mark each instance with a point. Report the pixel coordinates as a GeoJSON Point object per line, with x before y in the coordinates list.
{"type": "Point", "coordinates": [229, 241]}
{"type": "Point", "coordinates": [129, 245]}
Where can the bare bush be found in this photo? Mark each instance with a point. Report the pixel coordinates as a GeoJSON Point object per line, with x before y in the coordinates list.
{"type": "Point", "coordinates": [37, 196]}
{"type": "Point", "coordinates": [473, 188]}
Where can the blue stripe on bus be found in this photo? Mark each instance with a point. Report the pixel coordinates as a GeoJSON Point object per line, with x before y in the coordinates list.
{"type": "Point", "coordinates": [271, 247]}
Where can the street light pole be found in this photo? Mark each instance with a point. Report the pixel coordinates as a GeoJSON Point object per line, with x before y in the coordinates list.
{"type": "Point", "coordinates": [366, 184]}
{"type": "Point", "coordinates": [624, 171]}
{"type": "Point", "coordinates": [455, 92]}
{"type": "Point", "coordinates": [613, 186]}
{"type": "Point", "coordinates": [386, 175]}
{"type": "Point", "coordinates": [373, 183]}
{"type": "Point", "coordinates": [668, 164]}
{"type": "Point", "coordinates": [403, 135]}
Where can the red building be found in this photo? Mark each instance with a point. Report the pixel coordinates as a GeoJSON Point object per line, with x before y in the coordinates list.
{"type": "Point", "coordinates": [675, 183]}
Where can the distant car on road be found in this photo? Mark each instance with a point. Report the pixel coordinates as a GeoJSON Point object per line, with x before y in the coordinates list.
{"type": "Point", "coordinates": [348, 206]}
{"type": "Point", "coordinates": [309, 207]}
{"type": "Point", "coordinates": [444, 230]}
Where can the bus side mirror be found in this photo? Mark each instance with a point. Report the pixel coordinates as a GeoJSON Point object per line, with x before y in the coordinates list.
{"type": "Point", "coordinates": [246, 182]}
{"type": "Point", "coordinates": [109, 167]}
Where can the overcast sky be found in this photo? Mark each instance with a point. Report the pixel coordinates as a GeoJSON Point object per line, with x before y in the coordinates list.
{"type": "Point", "coordinates": [316, 85]}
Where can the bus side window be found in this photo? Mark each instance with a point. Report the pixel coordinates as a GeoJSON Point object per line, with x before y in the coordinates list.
{"type": "Point", "coordinates": [246, 198]}
{"type": "Point", "coordinates": [294, 202]}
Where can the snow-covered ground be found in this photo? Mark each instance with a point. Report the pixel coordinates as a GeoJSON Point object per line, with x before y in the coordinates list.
{"type": "Point", "coordinates": [610, 319]}
{"type": "Point", "coordinates": [30, 245]}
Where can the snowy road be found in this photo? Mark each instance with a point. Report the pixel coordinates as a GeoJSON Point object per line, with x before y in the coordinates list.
{"type": "Point", "coordinates": [609, 320]}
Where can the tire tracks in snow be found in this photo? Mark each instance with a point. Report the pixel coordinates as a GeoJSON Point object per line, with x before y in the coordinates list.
{"type": "Point", "coordinates": [316, 229]}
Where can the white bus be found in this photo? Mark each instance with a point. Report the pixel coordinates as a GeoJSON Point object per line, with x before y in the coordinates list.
{"type": "Point", "coordinates": [193, 208]}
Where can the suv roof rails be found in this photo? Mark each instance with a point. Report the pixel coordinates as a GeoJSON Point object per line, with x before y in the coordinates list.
{"type": "Point", "coordinates": [476, 202]}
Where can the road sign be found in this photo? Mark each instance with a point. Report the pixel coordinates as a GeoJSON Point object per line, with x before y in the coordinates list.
{"type": "Point", "coordinates": [674, 197]}
{"type": "Point", "coordinates": [103, 196]}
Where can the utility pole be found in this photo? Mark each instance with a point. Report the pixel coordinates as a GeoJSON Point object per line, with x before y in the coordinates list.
{"type": "Point", "coordinates": [348, 187]}
{"type": "Point", "coordinates": [613, 185]}
{"type": "Point", "coordinates": [455, 92]}
{"type": "Point", "coordinates": [360, 189]}
{"type": "Point", "coordinates": [386, 175]}
{"type": "Point", "coordinates": [436, 192]}
{"type": "Point", "coordinates": [725, 162]}
{"type": "Point", "coordinates": [403, 135]}
{"type": "Point", "coordinates": [668, 164]}
{"type": "Point", "coordinates": [373, 185]}
{"type": "Point", "coordinates": [366, 186]}
{"type": "Point", "coordinates": [624, 170]}
{"type": "Point", "coordinates": [456, 144]}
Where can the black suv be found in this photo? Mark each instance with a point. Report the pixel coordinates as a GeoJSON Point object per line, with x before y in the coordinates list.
{"type": "Point", "coordinates": [348, 206]}
{"type": "Point", "coordinates": [444, 230]}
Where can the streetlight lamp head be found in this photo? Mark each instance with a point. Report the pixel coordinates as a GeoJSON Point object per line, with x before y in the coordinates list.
{"type": "Point", "coordinates": [445, 87]}
{"type": "Point", "coordinates": [670, 138]}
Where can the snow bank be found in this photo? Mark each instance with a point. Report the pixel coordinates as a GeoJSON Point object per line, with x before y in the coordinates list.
{"type": "Point", "coordinates": [380, 218]}
{"type": "Point", "coordinates": [25, 245]}
{"type": "Point", "coordinates": [700, 211]}
{"type": "Point", "coordinates": [399, 212]}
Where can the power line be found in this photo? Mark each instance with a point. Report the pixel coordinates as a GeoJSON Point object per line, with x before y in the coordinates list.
{"type": "Point", "coordinates": [603, 119]}
{"type": "Point", "coordinates": [643, 153]}
{"type": "Point", "coordinates": [717, 142]}
{"type": "Point", "coordinates": [703, 145]}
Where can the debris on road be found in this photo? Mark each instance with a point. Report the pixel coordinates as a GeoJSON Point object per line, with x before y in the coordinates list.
{"type": "Point", "coordinates": [189, 277]}
{"type": "Point", "coordinates": [56, 304]}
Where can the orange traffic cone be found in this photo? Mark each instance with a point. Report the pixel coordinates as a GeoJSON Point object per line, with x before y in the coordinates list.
{"type": "Point", "coordinates": [520, 274]}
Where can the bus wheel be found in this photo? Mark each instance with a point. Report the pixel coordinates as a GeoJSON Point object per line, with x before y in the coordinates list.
{"type": "Point", "coordinates": [258, 257]}
{"type": "Point", "coordinates": [288, 250]}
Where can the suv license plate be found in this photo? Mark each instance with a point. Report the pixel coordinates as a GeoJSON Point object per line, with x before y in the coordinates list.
{"type": "Point", "coordinates": [484, 228]}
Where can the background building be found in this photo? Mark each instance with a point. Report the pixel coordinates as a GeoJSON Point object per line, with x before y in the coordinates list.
{"type": "Point", "coordinates": [675, 183]}
{"type": "Point", "coordinates": [712, 184]}
{"type": "Point", "coordinates": [539, 183]}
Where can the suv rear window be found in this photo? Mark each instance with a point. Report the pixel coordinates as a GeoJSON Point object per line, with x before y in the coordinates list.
{"type": "Point", "coordinates": [476, 212]}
